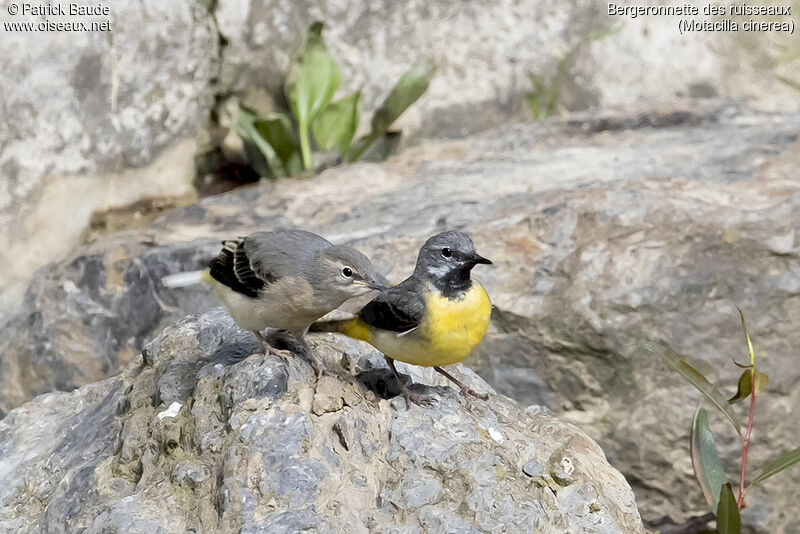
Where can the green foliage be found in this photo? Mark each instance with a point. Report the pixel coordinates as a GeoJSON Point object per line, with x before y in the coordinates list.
{"type": "Point", "coordinates": [259, 152]}
{"type": "Point", "coordinates": [312, 80]}
{"type": "Point", "coordinates": [728, 520]}
{"type": "Point", "coordinates": [276, 130]}
{"type": "Point", "coordinates": [703, 385]}
{"type": "Point", "coordinates": [281, 145]}
{"type": "Point", "coordinates": [783, 461]}
{"type": "Point", "coordinates": [705, 458]}
{"type": "Point", "coordinates": [336, 125]}
{"type": "Point", "coordinates": [746, 382]}
{"type": "Point", "coordinates": [411, 85]}
{"type": "Point", "coordinates": [544, 98]}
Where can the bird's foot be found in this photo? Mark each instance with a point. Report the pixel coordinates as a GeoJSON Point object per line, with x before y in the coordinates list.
{"type": "Point", "coordinates": [269, 349]}
{"type": "Point", "coordinates": [420, 399]}
{"type": "Point", "coordinates": [465, 391]}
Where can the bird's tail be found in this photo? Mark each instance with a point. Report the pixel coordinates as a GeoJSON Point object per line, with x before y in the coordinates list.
{"type": "Point", "coordinates": [185, 279]}
{"type": "Point", "coordinates": [354, 328]}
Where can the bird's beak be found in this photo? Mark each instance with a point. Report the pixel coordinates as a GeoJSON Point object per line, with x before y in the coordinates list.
{"type": "Point", "coordinates": [371, 284]}
{"type": "Point", "coordinates": [477, 258]}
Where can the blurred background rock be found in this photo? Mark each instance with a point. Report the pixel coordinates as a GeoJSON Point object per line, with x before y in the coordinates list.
{"type": "Point", "coordinates": [118, 118]}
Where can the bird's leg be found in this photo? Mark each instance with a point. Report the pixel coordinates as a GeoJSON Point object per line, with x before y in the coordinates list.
{"type": "Point", "coordinates": [269, 349]}
{"type": "Point", "coordinates": [260, 336]}
{"type": "Point", "coordinates": [464, 389]}
{"type": "Point", "coordinates": [308, 353]}
{"type": "Point", "coordinates": [408, 395]}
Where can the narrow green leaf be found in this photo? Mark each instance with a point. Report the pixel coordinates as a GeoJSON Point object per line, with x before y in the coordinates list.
{"type": "Point", "coordinates": [728, 520]}
{"type": "Point", "coordinates": [705, 460]}
{"type": "Point", "coordinates": [311, 82]}
{"type": "Point", "coordinates": [277, 130]}
{"type": "Point", "coordinates": [543, 99]}
{"type": "Point", "coordinates": [411, 85]}
{"type": "Point", "coordinates": [255, 158]}
{"type": "Point", "coordinates": [746, 384]}
{"type": "Point", "coordinates": [783, 461]}
{"type": "Point", "coordinates": [336, 125]}
{"type": "Point", "coordinates": [252, 138]}
{"type": "Point", "coordinates": [676, 362]}
{"type": "Point", "coordinates": [360, 146]}
{"type": "Point", "coordinates": [749, 343]}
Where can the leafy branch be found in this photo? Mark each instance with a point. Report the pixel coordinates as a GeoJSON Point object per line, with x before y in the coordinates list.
{"type": "Point", "coordinates": [706, 464]}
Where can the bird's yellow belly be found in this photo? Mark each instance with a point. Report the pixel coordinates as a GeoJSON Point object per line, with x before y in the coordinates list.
{"type": "Point", "coordinates": [451, 329]}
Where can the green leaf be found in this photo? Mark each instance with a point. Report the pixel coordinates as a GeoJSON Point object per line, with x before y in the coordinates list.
{"type": "Point", "coordinates": [728, 520]}
{"type": "Point", "coordinates": [360, 146]}
{"type": "Point", "coordinates": [411, 85]}
{"type": "Point", "coordinates": [336, 125]}
{"type": "Point", "coordinates": [705, 460]}
{"type": "Point", "coordinates": [252, 138]}
{"type": "Point", "coordinates": [256, 159]}
{"type": "Point", "coordinates": [746, 384]}
{"type": "Point", "coordinates": [676, 362]}
{"type": "Point", "coordinates": [783, 461]}
{"type": "Point", "coordinates": [313, 77]}
{"type": "Point", "coordinates": [276, 129]}
{"type": "Point", "coordinates": [543, 99]}
{"type": "Point", "coordinates": [311, 82]}
{"type": "Point", "coordinates": [749, 343]}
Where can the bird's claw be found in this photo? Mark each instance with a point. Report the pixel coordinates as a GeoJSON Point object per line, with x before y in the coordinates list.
{"type": "Point", "coordinates": [420, 399]}
{"type": "Point", "coordinates": [465, 391]}
{"type": "Point", "coordinates": [269, 349]}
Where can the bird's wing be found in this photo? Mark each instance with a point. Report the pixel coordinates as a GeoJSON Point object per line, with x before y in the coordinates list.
{"type": "Point", "coordinates": [248, 265]}
{"type": "Point", "coordinates": [399, 309]}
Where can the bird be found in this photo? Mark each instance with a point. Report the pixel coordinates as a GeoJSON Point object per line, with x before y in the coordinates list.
{"type": "Point", "coordinates": [435, 317]}
{"type": "Point", "coordinates": [284, 279]}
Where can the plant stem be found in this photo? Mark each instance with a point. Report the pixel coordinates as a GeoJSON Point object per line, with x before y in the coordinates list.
{"type": "Point", "coordinates": [305, 146]}
{"type": "Point", "coordinates": [746, 439]}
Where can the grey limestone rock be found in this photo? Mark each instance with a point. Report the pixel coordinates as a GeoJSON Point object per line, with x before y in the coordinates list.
{"type": "Point", "coordinates": [605, 232]}
{"type": "Point", "coordinates": [236, 446]}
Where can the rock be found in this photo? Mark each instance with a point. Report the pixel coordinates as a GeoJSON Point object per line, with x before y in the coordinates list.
{"type": "Point", "coordinates": [189, 474]}
{"type": "Point", "coordinates": [235, 458]}
{"type": "Point", "coordinates": [486, 52]}
{"type": "Point", "coordinates": [133, 102]}
{"type": "Point", "coordinates": [605, 232]}
{"type": "Point", "coordinates": [103, 301]}
{"type": "Point", "coordinates": [121, 126]}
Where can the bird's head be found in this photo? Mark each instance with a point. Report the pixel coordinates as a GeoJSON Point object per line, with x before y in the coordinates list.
{"type": "Point", "coordinates": [347, 272]}
{"type": "Point", "coordinates": [446, 259]}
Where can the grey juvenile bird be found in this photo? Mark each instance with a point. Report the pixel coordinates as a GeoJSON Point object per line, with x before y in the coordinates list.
{"type": "Point", "coordinates": [284, 279]}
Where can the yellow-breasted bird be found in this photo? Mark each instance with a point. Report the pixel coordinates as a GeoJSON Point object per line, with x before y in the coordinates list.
{"type": "Point", "coordinates": [434, 317]}
{"type": "Point", "coordinates": [283, 279]}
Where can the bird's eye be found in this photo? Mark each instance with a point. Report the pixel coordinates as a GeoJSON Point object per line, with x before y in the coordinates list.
{"type": "Point", "coordinates": [347, 272]}
{"type": "Point", "coordinates": [446, 252]}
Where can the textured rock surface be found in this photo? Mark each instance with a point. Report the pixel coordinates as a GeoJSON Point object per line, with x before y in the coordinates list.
{"type": "Point", "coordinates": [604, 232]}
{"type": "Point", "coordinates": [120, 126]}
{"type": "Point", "coordinates": [124, 122]}
{"type": "Point", "coordinates": [198, 436]}
{"type": "Point", "coordinates": [485, 52]}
